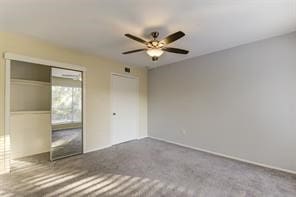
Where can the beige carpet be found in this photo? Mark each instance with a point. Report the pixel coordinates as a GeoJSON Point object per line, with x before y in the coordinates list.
{"type": "Point", "coordinates": [144, 167]}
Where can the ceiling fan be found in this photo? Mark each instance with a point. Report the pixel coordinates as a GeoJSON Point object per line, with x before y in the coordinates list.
{"type": "Point", "coordinates": [155, 48]}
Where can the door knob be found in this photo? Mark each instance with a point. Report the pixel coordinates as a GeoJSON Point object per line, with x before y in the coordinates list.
{"type": "Point", "coordinates": [114, 114]}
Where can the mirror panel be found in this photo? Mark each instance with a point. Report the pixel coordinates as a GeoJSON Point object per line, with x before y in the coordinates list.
{"type": "Point", "coordinates": [66, 113]}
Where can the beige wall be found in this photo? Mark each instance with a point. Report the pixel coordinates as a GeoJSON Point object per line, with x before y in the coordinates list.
{"type": "Point", "coordinates": [240, 102]}
{"type": "Point", "coordinates": [98, 80]}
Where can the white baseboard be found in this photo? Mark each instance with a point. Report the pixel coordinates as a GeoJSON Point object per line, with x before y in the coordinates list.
{"type": "Point", "coordinates": [103, 147]}
{"type": "Point", "coordinates": [96, 149]}
{"type": "Point", "coordinates": [142, 137]}
{"type": "Point", "coordinates": [226, 156]}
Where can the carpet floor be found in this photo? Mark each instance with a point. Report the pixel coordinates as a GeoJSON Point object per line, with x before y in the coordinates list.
{"type": "Point", "coordinates": [145, 167]}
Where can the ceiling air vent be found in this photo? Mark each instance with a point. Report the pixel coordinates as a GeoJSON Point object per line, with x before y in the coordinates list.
{"type": "Point", "coordinates": [127, 70]}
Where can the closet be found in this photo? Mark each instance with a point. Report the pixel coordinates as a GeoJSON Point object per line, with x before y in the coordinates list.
{"type": "Point", "coordinates": [30, 117]}
{"type": "Point", "coordinates": [45, 110]}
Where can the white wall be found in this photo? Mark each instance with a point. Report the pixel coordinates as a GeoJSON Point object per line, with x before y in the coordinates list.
{"type": "Point", "coordinates": [240, 102]}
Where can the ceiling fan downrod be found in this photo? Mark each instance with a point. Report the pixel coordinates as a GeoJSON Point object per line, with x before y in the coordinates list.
{"type": "Point", "coordinates": [155, 34]}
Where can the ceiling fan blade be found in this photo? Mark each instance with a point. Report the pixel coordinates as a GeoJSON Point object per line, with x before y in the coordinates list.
{"type": "Point", "coordinates": [136, 38]}
{"type": "Point", "coordinates": [173, 37]}
{"type": "Point", "coordinates": [175, 50]}
{"type": "Point", "coordinates": [133, 51]}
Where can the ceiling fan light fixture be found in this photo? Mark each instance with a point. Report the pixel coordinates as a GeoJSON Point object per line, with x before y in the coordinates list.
{"type": "Point", "coordinates": [154, 52]}
{"type": "Point", "coordinates": [160, 44]}
{"type": "Point", "coordinates": [154, 43]}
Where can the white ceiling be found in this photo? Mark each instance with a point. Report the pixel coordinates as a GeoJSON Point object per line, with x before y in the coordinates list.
{"type": "Point", "coordinates": [98, 26]}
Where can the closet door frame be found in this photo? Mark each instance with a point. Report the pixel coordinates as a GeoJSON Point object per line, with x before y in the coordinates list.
{"type": "Point", "coordinates": [16, 57]}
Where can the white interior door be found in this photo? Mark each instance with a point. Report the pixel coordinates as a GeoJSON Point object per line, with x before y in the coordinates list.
{"type": "Point", "coordinates": [125, 108]}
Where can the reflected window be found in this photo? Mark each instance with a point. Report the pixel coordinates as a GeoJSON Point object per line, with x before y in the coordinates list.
{"type": "Point", "coordinates": [66, 104]}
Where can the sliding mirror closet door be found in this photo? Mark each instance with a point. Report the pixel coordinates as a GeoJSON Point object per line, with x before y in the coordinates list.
{"type": "Point", "coordinates": [66, 113]}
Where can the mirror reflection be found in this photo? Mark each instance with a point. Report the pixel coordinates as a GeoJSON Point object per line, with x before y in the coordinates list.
{"type": "Point", "coordinates": [66, 109]}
